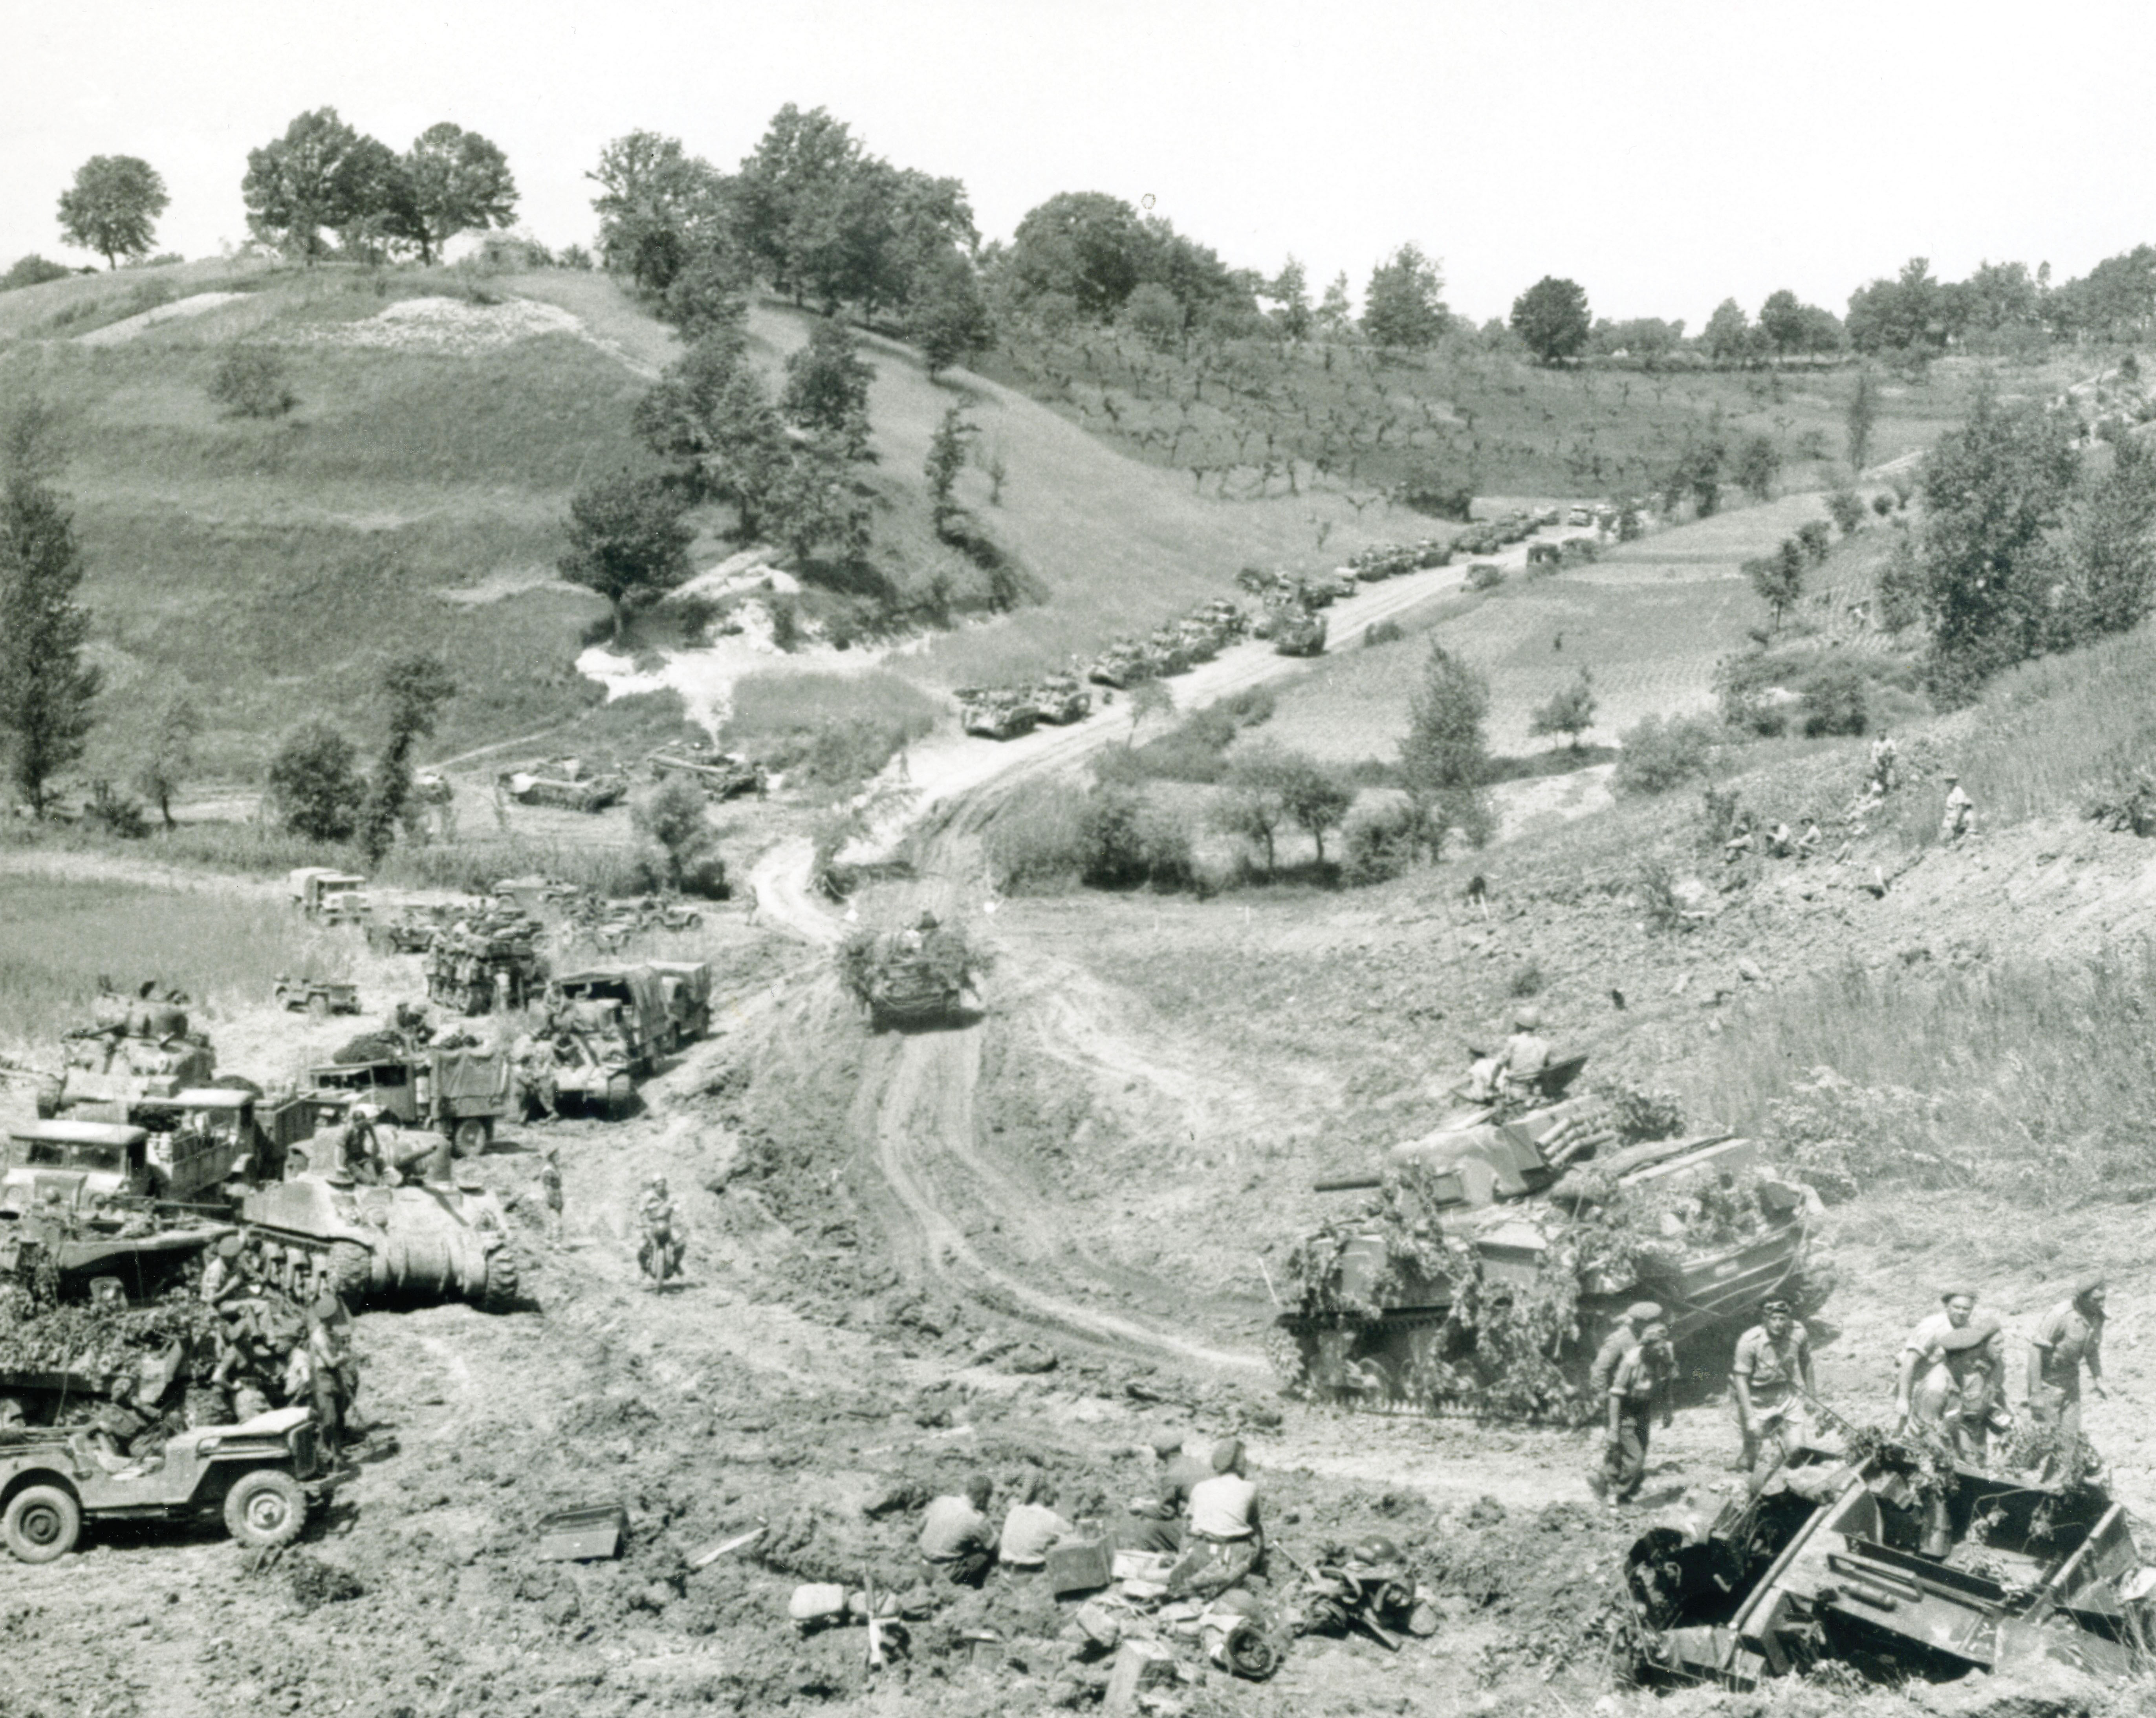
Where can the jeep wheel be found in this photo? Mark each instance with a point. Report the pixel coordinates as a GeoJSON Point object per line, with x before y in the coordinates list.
{"type": "Point", "coordinates": [265, 1508]}
{"type": "Point", "coordinates": [43, 1523]}
{"type": "Point", "coordinates": [620, 1097]}
{"type": "Point", "coordinates": [472, 1137]}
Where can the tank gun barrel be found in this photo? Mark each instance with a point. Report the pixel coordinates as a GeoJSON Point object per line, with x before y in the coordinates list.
{"type": "Point", "coordinates": [1347, 1184]}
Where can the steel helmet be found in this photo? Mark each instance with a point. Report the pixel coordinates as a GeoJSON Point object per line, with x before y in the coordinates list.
{"type": "Point", "coordinates": [1376, 1549]}
{"type": "Point", "coordinates": [1527, 1019]}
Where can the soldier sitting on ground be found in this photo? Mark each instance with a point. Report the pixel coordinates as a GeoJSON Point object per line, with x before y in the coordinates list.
{"type": "Point", "coordinates": [958, 1542]}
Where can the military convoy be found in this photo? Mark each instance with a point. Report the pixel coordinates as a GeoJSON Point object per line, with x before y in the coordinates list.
{"type": "Point", "coordinates": [1499, 1253]}
{"type": "Point", "coordinates": [919, 976]}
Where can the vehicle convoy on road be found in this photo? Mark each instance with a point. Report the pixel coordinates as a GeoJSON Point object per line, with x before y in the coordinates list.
{"type": "Point", "coordinates": [1498, 1253]}
{"type": "Point", "coordinates": [260, 1479]}
{"type": "Point", "coordinates": [1906, 1566]}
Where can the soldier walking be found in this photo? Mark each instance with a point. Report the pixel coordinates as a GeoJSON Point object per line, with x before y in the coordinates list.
{"type": "Point", "coordinates": [1769, 1380]}
{"type": "Point", "coordinates": [2070, 1338]}
{"type": "Point", "coordinates": [1641, 1383]}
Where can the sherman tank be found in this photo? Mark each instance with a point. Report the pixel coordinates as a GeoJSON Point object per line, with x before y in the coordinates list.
{"type": "Point", "coordinates": [1498, 1253]}
{"type": "Point", "coordinates": [996, 713]}
{"type": "Point", "coordinates": [1059, 699]}
{"type": "Point", "coordinates": [1297, 632]}
{"type": "Point", "coordinates": [1125, 662]}
{"type": "Point", "coordinates": [135, 1046]}
{"type": "Point", "coordinates": [413, 1244]}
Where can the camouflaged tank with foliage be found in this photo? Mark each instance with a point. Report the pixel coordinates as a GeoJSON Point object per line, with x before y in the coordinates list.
{"type": "Point", "coordinates": [918, 975]}
{"type": "Point", "coordinates": [1495, 1255]}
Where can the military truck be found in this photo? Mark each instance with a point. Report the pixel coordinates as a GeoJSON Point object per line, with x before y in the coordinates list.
{"type": "Point", "coordinates": [1497, 1255]}
{"type": "Point", "coordinates": [686, 987]}
{"type": "Point", "coordinates": [259, 1479]}
{"type": "Point", "coordinates": [77, 1198]}
{"type": "Point", "coordinates": [485, 959]}
{"type": "Point", "coordinates": [461, 1093]}
{"type": "Point", "coordinates": [1895, 1563]}
{"type": "Point", "coordinates": [327, 895]}
{"type": "Point", "coordinates": [637, 997]}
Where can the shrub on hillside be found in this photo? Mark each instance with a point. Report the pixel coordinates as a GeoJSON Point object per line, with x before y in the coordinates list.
{"type": "Point", "coordinates": [1847, 508]}
{"type": "Point", "coordinates": [683, 848]}
{"type": "Point", "coordinates": [1384, 632]}
{"type": "Point", "coordinates": [115, 813]}
{"type": "Point", "coordinates": [1037, 844]}
{"type": "Point", "coordinates": [1812, 537]}
{"type": "Point", "coordinates": [250, 382]}
{"type": "Point", "coordinates": [1882, 504]}
{"type": "Point", "coordinates": [1835, 699]}
{"type": "Point", "coordinates": [1126, 839]}
{"type": "Point", "coordinates": [32, 271]}
{"type": "Point", "coordinates": [1382, 840]}
{"type": "Point", "coordinates": [1484, 575]}
{"type": "Point", "coordinates": [1660, 754]}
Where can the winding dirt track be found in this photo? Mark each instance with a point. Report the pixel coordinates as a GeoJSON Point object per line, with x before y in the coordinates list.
{"type": "Point", "coordinates": [943, 1195]}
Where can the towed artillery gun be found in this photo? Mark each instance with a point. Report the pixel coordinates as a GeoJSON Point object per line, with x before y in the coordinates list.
{"type": "Point", "coordinates": [1499, 1253]}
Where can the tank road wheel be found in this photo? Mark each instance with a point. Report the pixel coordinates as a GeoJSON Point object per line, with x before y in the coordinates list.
{"type": "Point", "coordinates": [500, 1295]}
{"type": "Point", "coordinates": [43, 1523]}
{"type": "Point", "coordinates": [350, 1267]}
{"type": "Point", "coordinates": [318, 1007]}
{"type": "Point", "coordinates": [472, 1137]}
{"type": "Point", "coordinates": [265, 1508]}
{"type": "Point", "coordinates": [620, 1095]}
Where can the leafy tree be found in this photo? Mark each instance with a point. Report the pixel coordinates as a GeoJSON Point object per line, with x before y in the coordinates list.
{"type": "Point", "coordinates": [315, 785]}
{"type": "Point", "coordinates": [1444, 759]}
{"type": "Point", "coordinates": [2107, 554]}
{"type": "Point", "coordinates": [1403, 306]}
{"type": "Point", "coordinates": [1314, 798]}
{"type": "Point", "coordinates": [1779, 579]}
{"type": "Point", "coordinates": [1835, 699]}
{"type": "Point", "coordinates": [946, 459]}
{"type": "Point", "coordinates": [1154, 314]}
{"type": "Point", "coordinates": [1289, 292]}
{"type": "Point", "coordinates": [1552, 317]}
{"type": "Point", "coordinates": [318, 174]}
{"type": "Point", "coordinates": [816, 501]}
{"type": "Point", "coordinates": [1647, 338]}
{"type": "Point", "coordinates": [32, 270]}
{"type": "Point", "coordinates": [827, 388]}
{"type": "Point", "coordinates": [1758, 464]}
{"type": "Point", "coordinates": [798, 203]}
{"type": "Point", "coordinates": [1901, 586]}
{"type": "Point", "coordinates": [674, 821]}
{"type": "Point", "coordinates": [375, 212]}
{"type": "Point", "coordinates": [1698, 473]}
{"type": "Point", "coordinates": [658, 206]}
{"type": "Point", "coordinates": [171, 756]}
{"type": "Point", "coordinates": [1253, 806]}
{"type": "Point", "coordinates": [113, 206]}
{"type": "Point", "coordinates": [1992, 489]}
{"type": "Point", "coordinates": [945, 316]}
{"type": "Point", "coordinates": [1570, 712]}
{"type": "Point", "coordinates": [251, 381]}
{"type": "Point", "coordinates": [456, 181]}
{"type": "Point", "coordinates": [1909, 319]}
{"type": "Point", "coordinates": [2003, 295]}
{"type": "Point", "coordinates": [710, 409]}
{"type": "Point", "coordinates": [1334, 315]}
{"type": "Point", "coordinates": [1814, 539]}
{"type": "Point", "coordinates": [708, 295]}
{"type": "Point", "coordinates": [1863, 416]}
{"type": "Point", "coordinates": [1086, 243]}
{"type": "Point", "coordinates": [1728, 334]}
{"type": "Point", "coordinates": [1846, 507]}
{"type": "Point", "coordinates": [2115, 301]}
{"type": "Point", "coordinates": [46, 689]}
{"type": "Point", "coordinates": [416, 687]}
{"type": "Point", "coordinates": [628, 540]}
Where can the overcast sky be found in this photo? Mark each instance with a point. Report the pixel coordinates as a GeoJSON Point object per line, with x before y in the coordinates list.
{"type": "Point", "coordinates": [1663, 153]}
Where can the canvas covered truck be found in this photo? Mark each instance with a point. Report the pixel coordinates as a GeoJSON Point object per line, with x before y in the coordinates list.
{"type": "Point", "coordinates": [686, 986]}
{"type": "Point", "coordinates": [461, 1093]}
{"type": "Point", "coordinates": [327, 895]}
{"type": "Point", "coordinates": [260, 1479]}
{"type": "Point", "coordinates": [638, 995]}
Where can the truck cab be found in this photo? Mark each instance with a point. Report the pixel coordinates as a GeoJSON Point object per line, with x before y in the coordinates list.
{"type": "Point", "coordinates": [75, 1165]}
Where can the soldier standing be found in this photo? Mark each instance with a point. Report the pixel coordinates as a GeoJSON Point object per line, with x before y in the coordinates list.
{"type": "Point", "coordinates": [540, 1068]}
{"type": "Point", "coordinates": [1769, 1380]}
{"type": "Point", "coordinates": [1959, 818]}
{"type": "Point", "coordinates": [2070, 1338]}
{"type": "Point", "coordinates": [1642, 1381]}
{"type": "Point", "coordinates": [1620, 1341]}
{"type": "Point", "coordinates": [550, 1187]}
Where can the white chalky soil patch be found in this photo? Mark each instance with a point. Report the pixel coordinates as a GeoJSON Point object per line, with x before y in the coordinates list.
{"type": "Point", "coordinates": [454, 325]}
